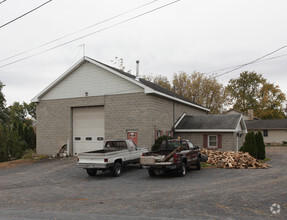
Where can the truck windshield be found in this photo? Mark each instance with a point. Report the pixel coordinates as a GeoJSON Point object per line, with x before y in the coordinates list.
{"type": "Point", "coordinates": [170, 145]}
{"type": "Point", "coordinates": [117, 145]}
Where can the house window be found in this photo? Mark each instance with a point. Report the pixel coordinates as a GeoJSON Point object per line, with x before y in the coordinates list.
{"type": "Point", "coordinates": [158, 133]}
{"type": "Point", "coordinates": [212, 141]}
{"type": "Point", "coordinates": [265, 133]}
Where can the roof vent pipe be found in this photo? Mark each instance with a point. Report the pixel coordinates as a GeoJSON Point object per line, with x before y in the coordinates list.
{"type": "Point", "coordinates": [137, 70]}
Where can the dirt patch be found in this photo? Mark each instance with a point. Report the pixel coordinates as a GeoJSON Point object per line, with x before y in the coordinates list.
{"type": "Point", "coordinates": [15, 163]}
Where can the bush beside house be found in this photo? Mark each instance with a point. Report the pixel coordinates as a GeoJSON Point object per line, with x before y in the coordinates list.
{"type": "Point", "coordinates": [254, 145]}
{"type": "Point", "coordinates": [260, 146]}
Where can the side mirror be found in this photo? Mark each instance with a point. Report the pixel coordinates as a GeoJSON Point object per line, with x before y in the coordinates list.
{"type": "Point", "coordinates": [196, 147]}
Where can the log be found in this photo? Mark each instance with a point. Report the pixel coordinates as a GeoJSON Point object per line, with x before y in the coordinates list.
{"type": "Point", "coordinates": [171, 154]}
{"type": "Point", "coordinates": [233, 160]}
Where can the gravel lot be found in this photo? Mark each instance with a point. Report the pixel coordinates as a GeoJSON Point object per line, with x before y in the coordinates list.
{"type": "Point", "coordinates": [57, 189]}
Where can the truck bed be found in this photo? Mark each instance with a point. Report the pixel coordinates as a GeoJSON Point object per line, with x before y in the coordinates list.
{"type": "Point", "coordinates": [155, 158]}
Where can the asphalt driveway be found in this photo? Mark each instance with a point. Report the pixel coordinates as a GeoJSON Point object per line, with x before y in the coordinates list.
{"type": "Point", "coordinates": [57, 189]}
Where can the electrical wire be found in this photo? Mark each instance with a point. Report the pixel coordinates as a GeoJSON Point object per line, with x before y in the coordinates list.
{"type": "Point", "coordinates": [24, 14]}
{"type": "Point", "coordinates": [88, 27]}
{"type": "Point", "coordinates": [227, 68]}
{"type": "Point", "coordinates": [98, 31]}
{"type": "Point", "coordinates": [251, 62]}
{"type": "Point", "coordinates": [3, 1]}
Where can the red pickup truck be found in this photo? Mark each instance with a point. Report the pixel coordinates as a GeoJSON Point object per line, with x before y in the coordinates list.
{"type": "Point", "coordinates": [173, 155]}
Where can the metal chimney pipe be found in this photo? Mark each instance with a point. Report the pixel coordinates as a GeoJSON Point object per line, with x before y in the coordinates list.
{"type": "Point", "coordinates": [137, 70]}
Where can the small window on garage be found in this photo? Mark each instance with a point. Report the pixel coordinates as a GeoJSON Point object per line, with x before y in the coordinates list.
{"type": "Point", "coordinates": [212, 141]}
{"type": "Point", "coordinates": [169, 133]}
{"type": "Point", "coordinates": [158, 133]}
{"type": "Point", "coordinates": [265, 133]}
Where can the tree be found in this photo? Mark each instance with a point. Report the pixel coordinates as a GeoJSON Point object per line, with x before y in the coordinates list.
{"type": "Point", "coordinates": [260, 145]}
{"type": "Point", "coordinates": [271, 100]}
{"type": "Point", "coordinates": [159, 80]}
{"type": "Point", "coordinates": [3, 110]}
{"type": "Point", "coordinates": [244, 91]}
{"type": "Point", "coordinates": [182, 84]}
{"type": "Point", "coordinates": [119, 63]}
{"type": "Point", "coordinates": [22, 120]}
{"type": "Point", "coordinates": [162, 81]}
{"type": "Point", "coordinates": [249, 145]}
{"type": "Point", "coordinates": [31, 109]}
{"type": "Point", "coordinates": [252, 91]}
{"type": "Point", "coordinates": [204, 90]}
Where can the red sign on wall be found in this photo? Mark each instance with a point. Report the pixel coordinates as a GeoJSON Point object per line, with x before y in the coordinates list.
{"type": "Point", "coordinates": [133, 135]}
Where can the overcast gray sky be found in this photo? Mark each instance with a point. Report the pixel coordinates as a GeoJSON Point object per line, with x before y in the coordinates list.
{"type": "Point", "coordinates": [189, 35]}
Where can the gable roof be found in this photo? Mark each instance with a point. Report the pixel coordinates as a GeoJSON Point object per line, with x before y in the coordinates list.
{"type": "Point", "coordinates": [210, 123]}
{"type": "Point", "coordinates": [149, 87]}
{"type": "Point", "coordinates": [267, 124]}
{"type": "Point", "coordinates": [235, 111]}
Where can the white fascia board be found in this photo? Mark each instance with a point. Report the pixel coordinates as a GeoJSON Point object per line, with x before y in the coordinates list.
{"type": "Point", "coordinates": [179, 120]}
{"type": "Point", "coordinates": [244, 129]}
{"type": "Point", "coordinates": [206, 130]}
{"type": "Point", "coordinates": [242, 122]}
{"type": "Point", "coordinates": [59, 79]}
{"type": "Point", "coordinates": [180, 100]}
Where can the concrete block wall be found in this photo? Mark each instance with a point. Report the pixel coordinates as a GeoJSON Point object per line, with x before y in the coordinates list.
{"type": "Point", "coordinates": [129, 112]}
{"type": "Point", "coordinates": [166, 112]}
{"type": "Point", "coordinates": [54, 122]}
{"type": "Point", "coordinates": [140, 112]}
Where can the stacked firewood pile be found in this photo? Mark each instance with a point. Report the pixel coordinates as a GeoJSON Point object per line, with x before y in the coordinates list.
{"type": "Point", "coordinates": [233, 160]}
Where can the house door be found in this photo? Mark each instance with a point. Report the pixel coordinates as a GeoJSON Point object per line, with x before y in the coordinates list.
{"type": "Point", "coordinates": [133, 135]}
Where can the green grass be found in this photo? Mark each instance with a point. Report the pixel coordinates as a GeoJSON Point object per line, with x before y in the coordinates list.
{"type": "Point", "coordinates": [31, 155]}
{"type": "Point", "coordinates": [207, 165]}
{"type": "Point", "coordinates": [265, 160]}
{"type": "Point", "coordinates": [281, 145]}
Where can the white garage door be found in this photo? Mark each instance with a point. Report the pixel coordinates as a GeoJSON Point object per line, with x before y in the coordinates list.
{"type": "Point", "coordinates": [88, 129]}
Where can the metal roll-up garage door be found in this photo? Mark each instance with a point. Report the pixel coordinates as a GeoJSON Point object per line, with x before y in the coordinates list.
{"type": "Point", "coordinates": [88, 129]}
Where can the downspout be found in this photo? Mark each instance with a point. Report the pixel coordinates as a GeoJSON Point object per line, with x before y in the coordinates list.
{"type": "Point", "coordinates": [68, 147]}
{"type": "Point", "coordinates": [173, 113]}
{"type": "Point", "coordinates": [237, 136]}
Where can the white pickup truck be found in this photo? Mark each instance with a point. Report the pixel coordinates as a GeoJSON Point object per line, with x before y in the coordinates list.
{"type": "Point", "coordinates": [116, 153]}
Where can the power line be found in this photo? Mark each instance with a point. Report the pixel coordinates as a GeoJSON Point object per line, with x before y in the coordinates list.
{"type": "Point", "coordinates": [98, 31]}
{"type": "Point", "coordinates": [65, 36]}
{"type": "Point", "coordinates": [3, 1]}
{"type": "Point", "coordinates": [251, 62]}
{"type": "Point", "coordinates": [227, 68]}
{"type": "Point", "coordinates": [25, 13]}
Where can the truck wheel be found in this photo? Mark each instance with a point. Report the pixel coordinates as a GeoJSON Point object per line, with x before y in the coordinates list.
{"type": "Point", "coordinates": [91, 172]}
{"type": "Point", "coordinates": [151, 173]}
{"type": "Point", "coordinates": [198, 165]}
{"type": "Point", "coordinates": [117, 169]}
{"type": "Point", "coordinates": [182, 170]}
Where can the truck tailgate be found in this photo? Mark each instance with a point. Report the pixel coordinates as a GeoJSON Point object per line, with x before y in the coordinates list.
{"type": "Point", "coordinates": [149, 160]}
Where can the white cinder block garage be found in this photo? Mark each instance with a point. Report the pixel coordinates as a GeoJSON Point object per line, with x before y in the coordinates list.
{"type": "Point", "coordinates": [93, 102]}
